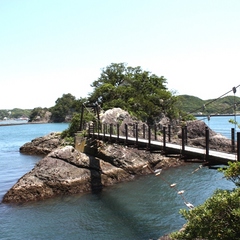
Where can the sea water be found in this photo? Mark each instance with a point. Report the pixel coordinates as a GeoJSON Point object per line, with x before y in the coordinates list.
{"type": "Point", "coordinates": [145, 208]}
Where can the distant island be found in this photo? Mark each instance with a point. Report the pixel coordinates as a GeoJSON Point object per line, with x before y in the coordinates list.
{"type": "Point", "coordinates": [228, 105]}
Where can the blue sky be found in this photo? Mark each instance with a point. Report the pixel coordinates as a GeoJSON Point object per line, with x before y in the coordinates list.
{"type": "Point", "coordinates": [52, 47]}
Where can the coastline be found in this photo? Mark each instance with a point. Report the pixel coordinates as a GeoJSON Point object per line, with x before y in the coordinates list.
{"type": "Point", "coordinates": [20, 123]}
{"type": "Point", "coordinates": [13, 124]}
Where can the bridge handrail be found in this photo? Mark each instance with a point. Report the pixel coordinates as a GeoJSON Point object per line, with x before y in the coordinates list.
{"type": "Point", "coordinates": [151, 133]}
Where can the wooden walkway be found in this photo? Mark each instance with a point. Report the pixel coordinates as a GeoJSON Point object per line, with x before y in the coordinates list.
{"type": "Point", "coordinates": [212, 157]}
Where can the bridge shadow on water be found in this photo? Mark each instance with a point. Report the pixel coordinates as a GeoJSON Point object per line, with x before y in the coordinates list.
{"type": "Point", "coordinates": [95, 172]}
{"type": "Point", "coordinates": [131, 223]}
{"type": "Point", "coordinates": [127, 219]}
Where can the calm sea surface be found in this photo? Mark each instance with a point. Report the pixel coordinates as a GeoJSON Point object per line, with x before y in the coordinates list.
{"type": "Point", "coordinates": [145, 208]}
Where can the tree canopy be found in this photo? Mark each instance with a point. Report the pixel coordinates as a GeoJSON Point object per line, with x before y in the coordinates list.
{"type": "Point", "coordinates": [67, 105]}
{"type": "Point", "coordinates": [139, 92]}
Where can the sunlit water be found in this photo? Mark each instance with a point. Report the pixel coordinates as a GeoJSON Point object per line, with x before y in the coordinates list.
{"type": "Point", "coordinates": [222, 124]}
{"type": "Point", "coordinates": [145, 208]}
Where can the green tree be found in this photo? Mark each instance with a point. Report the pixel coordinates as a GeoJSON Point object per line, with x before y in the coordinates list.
{"type": "Point", "coordinates": [88, 115]}
{"type": "Point", "coordinates": [37, 112]}
{"type": "Point", "coordinates": [4, 113]}
{"type": "Point", "coordinates": [139, 92]}
{"type": "Point", "coordinates": [64, 107]}
{"type": "Point", "coordinates": [219, 216]}
{"type": "Point", "coordinates": [73, 127]}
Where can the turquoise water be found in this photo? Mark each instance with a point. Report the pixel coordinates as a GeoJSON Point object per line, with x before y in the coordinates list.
{"type": "Point", "coordinates": [145, 208]}
{"type": "Point", "coordinates": [220, 124]}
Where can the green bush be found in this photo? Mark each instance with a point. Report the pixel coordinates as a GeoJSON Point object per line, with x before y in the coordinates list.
{"type": "Point", "coordinates": [219, 216]}
{"type": "Point", "coordinates": [73, 127]}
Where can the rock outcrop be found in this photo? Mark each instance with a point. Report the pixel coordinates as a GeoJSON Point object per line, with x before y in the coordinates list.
{"type": "Point", "coordinates": [42, 145]}
{"type": "Point", "coordinates": [195, 130]}
{"type": "Point", "coordinates": [196, 136]}
{"type": "Point", "coordinates": [68, 171]}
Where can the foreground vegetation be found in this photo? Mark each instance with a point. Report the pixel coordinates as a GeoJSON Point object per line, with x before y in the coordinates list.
{"type": "Point", "coordinates": [219, 216]}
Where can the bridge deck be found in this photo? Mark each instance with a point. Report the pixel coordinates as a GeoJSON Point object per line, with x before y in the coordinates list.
{"type": "Point", "coordinates": [171, 148]}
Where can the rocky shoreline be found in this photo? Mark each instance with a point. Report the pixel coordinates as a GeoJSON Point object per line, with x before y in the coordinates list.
{"type": "Point", "coordinates": [93, 164]}
{"type": "Point", "coordinates": [65, 170]}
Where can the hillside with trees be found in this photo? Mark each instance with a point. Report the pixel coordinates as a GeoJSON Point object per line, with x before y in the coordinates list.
{"type": "Point", "coordinates": [15, 113]}
{"type": "Point", "coordinates": [67, 105]}
{"type": "Point", "coordinates": [195, 105]}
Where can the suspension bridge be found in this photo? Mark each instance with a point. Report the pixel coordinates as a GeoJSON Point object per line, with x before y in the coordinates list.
{"type": "Point", "coordinates": [205, 155]}
{"type": "Point", "coordinates": [148, 139]}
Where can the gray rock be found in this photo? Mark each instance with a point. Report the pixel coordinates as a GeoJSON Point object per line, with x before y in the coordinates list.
{"type": "Point", "coordinates": [196, 131]}
{"type": "Point", "coordinates": [42, 145]}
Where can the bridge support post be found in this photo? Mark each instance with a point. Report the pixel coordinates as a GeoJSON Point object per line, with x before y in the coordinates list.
{"type": "Point", "coordinates": [149, 138]}
{"type": "Point", "coordinates": [126, 134]}
{"type": "Point", "coordinates": [207, 143]}
{"type": "Point", "coordinates": [136, 135]}
{"type": "Point", "coordinates": [81, 119]}
{"type": "Point", "coordinates": [185, 134]}
{"type": "Point", "coordinates": [144, 131]}
{"type": "Point", "coordinates": [238, 146]}
{"type": "Point", "coordinates": [233, 139]}
{"type": "Point", "coordinates": [93, 128]}
{"type": "Point", "coordinates": [155, 132]}
{"type": "Point", "coordinates": [98, 129]}
{"type": "Point", "coordinates": [89, 130]}
{"type": "Point", "coordinates": [169, 133]}
{"type": "Point", "coordinates": [183, 140]}
{"type": "Point", "coordinates": [117, 132]}
{"type": "Point", "coordinates": [164, 139]}
{"type": "Point", "coordinates": [110, 132]}
{"type": "Point", "coordinates": [104, 131]}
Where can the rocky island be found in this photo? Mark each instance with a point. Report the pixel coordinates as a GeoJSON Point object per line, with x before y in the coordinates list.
{"type": "Point", "coordinates": [65, 170]}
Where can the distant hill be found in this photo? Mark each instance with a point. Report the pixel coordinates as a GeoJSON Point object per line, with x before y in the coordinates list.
{"type": "Point", "coordinates": [187, 103]}
{"type": "Point", "coordinates": [15, 113]}
{"type": "Point", "coordinates": [195, 105]}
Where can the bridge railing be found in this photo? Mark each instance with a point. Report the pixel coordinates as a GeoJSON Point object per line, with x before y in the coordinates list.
{"type": "Point", "coordinates": [157, 132]}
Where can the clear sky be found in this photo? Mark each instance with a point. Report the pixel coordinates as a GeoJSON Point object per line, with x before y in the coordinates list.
{"type": "Point", "coordinates": [53, 47]}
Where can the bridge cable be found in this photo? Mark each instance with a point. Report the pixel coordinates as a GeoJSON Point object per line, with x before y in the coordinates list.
{"type": "Point", "coordinates": [233, 89]}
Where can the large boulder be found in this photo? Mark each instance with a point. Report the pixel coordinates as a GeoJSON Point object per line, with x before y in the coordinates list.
{"type": "Point", "coordinates": [197, 128]}
{"type": "Point", "coordinates": [114, 116]}
{"type": "Point", "coordinates": [119, 116]}
{"type": "Point", "coordinates": [196, 137]}
{"type": "Point", "coordinates": [42, 145]}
